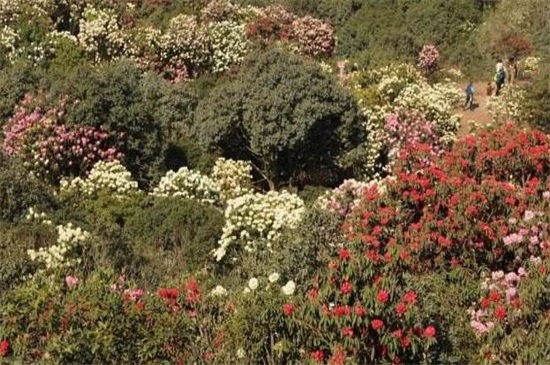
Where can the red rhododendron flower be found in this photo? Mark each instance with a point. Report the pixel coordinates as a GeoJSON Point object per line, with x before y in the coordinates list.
{"type": "Point", "coordinates": [429, 332]}
{"type": "Point", "coordinates": [410, 297]}
{"type": "Point", "coordinates": [500, 312]}
{"type": "Point", "coordinates": [347, 331]}
{"type": "Point", "coordinates": [342, 310]}
{"type": "Point", "coordinates": [383, 296]}
{"type": "Point", "coordinates": [344, 254]}
{"type": "Point", "coordinates": [377, 324]}
{"type": "Point", "coordinates": [494, 296]}
{"type": "Point", "coordinates": [168, 293]}
{"type": "Point", "coordinates": [4, 348]}
{"type": "Point", "coordinates": [401, 308]}
{"type": "Point", "coordinates": [313, 293]}
{"type": "Point", "coordinates": [346, 287]}
{"type": "Point", "coordinates": [485, 303]}
{"type": "Point", "coordinates": [405, 342]}
{"type": "Point", "coordinates": [397, 333]}
{"type": "Point", "coordinates": [360, 310]}
{"type": "Point", "coordinates": [288, 309]}
{"type": "Point", "coordinates": [318, 355]}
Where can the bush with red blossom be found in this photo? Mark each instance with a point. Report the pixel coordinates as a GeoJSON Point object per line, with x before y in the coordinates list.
{"type": "Point", "coordinates": [475, 208]}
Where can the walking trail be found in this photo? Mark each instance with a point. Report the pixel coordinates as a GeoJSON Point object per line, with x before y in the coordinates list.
{"type": "Point", "coordinates": [480, 114]}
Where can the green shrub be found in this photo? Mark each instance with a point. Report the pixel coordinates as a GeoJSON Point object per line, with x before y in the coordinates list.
{"type": "Point", "coordinates": [172, 236]}
{"type": "Point", "coordinates": [535, 107]}
{"type": "Point", "coordinates": [15, 81]}
{"type": "Point", "coordinates": [20, 191]}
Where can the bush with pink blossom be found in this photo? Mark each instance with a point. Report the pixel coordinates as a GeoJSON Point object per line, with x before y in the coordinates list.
{"type": "Point", "coordinates": [428, 58]}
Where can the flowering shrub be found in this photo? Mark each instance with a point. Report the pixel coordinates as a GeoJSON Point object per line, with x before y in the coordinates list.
{"type": "Point", "coordinates": [475, 207]}
{"type": "Point", "coordinates": [65, 253]}
{"type": "Point", "coordinates": [529, 66]}
{"type": "Point", "coordinates": [100, 34]}
{"type": "Point", "coordinates": [428, 58]}
{"type": "Point", "coordinates": [228, 44]}
{"type": "Point", "coordinates": [188, 184]}
{"type": "Point", "coordinates": [312, 37]}
{"type": "Point", "coordinates": [345, 197]}
{"type": "Point", "coordinates": [108, 177]}
{"type": "Point", "coordinates": [255, 221]}
{"type": "Point", "coordinates": [233, 177]}
{"type": "Point", "coordinates": [51, 148]}
{"type": "Point", "coordinates": [507, 106]}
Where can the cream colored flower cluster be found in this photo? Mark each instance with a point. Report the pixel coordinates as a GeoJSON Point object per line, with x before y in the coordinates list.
{"type": "Point", "coordinates": [529, 66]}
{"type": "Point", "coordinates": [59, 255]}
{"type": "Point", "coordinates": [233, 177]}
{"type": "Point", "coordinates": [100, 34]}
{"type": "Point", "coordinates": [257, 220]}
{"type": "Point", "coordinates": [111, 177]}
{"type": "Point", "coordinates": [188, 184]}
{"type": "Point", "coordinates": [228, 44]}
{"type": "Point", "coordinates": [507, 106]}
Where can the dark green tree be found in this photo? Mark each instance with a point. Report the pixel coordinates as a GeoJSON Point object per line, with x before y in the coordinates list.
{"type": "Point", "coordinates": [294, 122]}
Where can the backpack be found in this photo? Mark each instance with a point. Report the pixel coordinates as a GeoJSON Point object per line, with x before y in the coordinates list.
{"type": "Point", "coordinates": [500, 77]}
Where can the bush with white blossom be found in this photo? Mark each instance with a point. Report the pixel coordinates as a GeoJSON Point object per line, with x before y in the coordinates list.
{"type": "Point", "coordinates": [507, 106]}
{"type": "Point", "coordinates": [255, 221]}
{"type": "Point", "coordinates": [100, 34]}
{"type": "Point", "coordinates": [188, 184]}
{"type": "Point", "coordinates": [106, 176]}
{"type": "Point", "coordinates": [234, 178]}
{"type": "Point", "coordinates": [61, 255]}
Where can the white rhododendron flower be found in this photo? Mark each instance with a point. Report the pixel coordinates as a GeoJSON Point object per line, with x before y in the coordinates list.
{"type": "Point", "coordinates": [219, 291]}
{"type": "Point", "coordinates": [273, 277]}
{"type": "Point", "coordinates": [188, 184]}
{"type": "Point", "coordinates": [289, 288]}
{"type": "Point", "coordinates": [253, 284]}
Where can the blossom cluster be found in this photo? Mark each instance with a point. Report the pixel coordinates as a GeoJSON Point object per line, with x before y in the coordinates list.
{"type": "Point", "coordinates": [507, 106]}
{"type": "Point", "coordinates": [529, 65]}
{"type": "Point", "coordinates": [188, 184]}
{"type": "Point", "coordinates": [107, 176]}
{"type": "Point", "coordinates": [255, 221]}
{"type": "Point", "coordinates": [61, 255]}
{"type": "Point", "coordinates": [100, 34]}
{"type": "Point", "coordinates": [428, 57]}
{"type": "Point", "coordinates": [502, 293]}
{"type": "Point", "coordinates": [50, 147]}
{"type": "Point", "coordinates": [311, 36]}
{"type": "Point", "coordinates": [288, 289]}
{"type": "Point", "coordinates": [345, 197]}
{"type": "Point", "coordinates": [396, 90]}
{"type": "Point", "coordinates": [233, 177]}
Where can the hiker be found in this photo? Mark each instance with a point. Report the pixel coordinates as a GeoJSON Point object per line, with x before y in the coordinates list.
{"type": "Point", "coordinates": [469, 96]}
{"type": "Point", "coordinates": [500, 77]}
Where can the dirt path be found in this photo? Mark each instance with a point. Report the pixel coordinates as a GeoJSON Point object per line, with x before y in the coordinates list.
{"type": "Point", "coordinates": [480, 113]}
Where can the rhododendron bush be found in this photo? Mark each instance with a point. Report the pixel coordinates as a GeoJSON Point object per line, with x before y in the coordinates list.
{"type": "Point", "coordinates": [49, 147]}
{"type": "Point", "coordinates": [478, 207]}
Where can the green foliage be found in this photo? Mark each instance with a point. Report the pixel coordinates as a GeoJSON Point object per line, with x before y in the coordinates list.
{"type": "Point", "coordinates": [535, 107]}
{"type": "Point", "coordinates": [171, 236]}
{"type": "Point", "coordinates": [19, 190]}
{"type": "Point", "coordinates": [15, 81]}
{"type": "Point", "coordinates": [286, 116]}
{"type": "Point", "coordinates": [395, 30]}
{"type": "Point", "coordinates": [15, 264]}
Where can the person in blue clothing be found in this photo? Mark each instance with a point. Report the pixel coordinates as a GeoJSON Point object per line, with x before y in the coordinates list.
{"type": "Point", "coordinates": [469, 96]}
